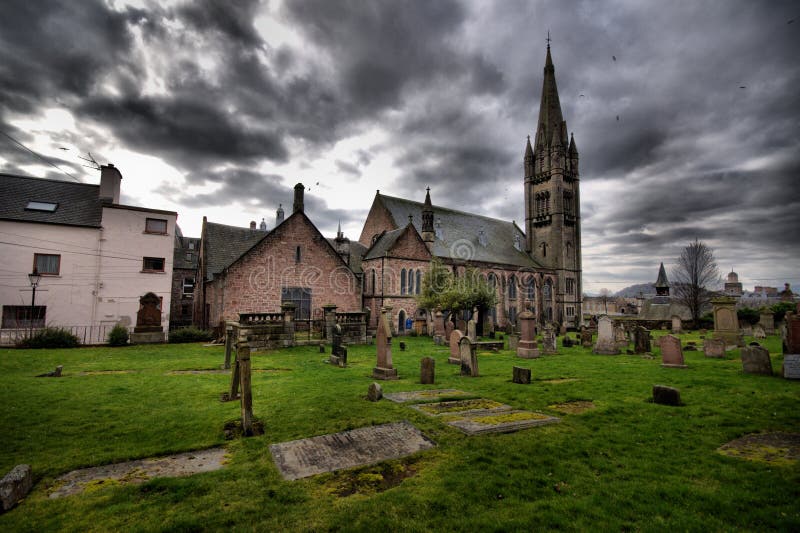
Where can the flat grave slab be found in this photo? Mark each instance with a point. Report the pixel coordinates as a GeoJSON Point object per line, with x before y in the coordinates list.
{"type": "Point", "coordinates": [477, 405]}
{"type": "Point", "coordinates": [499, 421]}
{"type": "Point", "coordinates": [423, 395]}
{"type": "Point", "coordinates": [178, 465]}
{"type": "Point", "coordinates": [357, 447]}
{"type": "Point", "coordinates": [777, 448]}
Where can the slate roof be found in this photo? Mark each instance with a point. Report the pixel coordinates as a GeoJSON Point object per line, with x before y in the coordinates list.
{"type": "Point", "coordinates": [225, 244]}
{"type": "Point", "coordinates": [653, 309]}
{"type": "Point", "coordinates": [179, 256]}
{"type": "Point", "coordinates": [78, 203]}
{"type": "Point", "coordinates": [384, 243]}
{"type": "Point", "coordinates": [459, 234]}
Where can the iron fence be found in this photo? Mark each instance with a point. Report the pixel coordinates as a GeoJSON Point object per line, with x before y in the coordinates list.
{"type": "Point", "coordinates": [86, 334]}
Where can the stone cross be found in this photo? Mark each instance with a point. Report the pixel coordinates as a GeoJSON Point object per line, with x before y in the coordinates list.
{"type": "Point", "coordinates": [384, 368]}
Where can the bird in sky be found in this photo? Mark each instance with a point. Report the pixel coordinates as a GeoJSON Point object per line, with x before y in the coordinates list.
{"type": "Point", "coordinates": [790, 21]}
{"type": "Point", "coordinates": [614, 58]}
{"type": "Point", "coordinates": [743, 86]}
{"type": "Point", "coordinates": [62, 148]}
{"type": "Point", "coordinates": [581, 95]}
{"type": "Point", "coordinates": [617, 118]}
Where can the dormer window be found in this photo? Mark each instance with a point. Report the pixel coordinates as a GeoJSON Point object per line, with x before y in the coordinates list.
{"type": "Point", "coordinates": [482, 238]}
{"type": "Point", "coordinates": [45, 207]}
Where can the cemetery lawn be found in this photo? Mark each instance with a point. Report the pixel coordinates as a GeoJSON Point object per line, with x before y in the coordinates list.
{"type": "Point", "coordinates": [625, 464]}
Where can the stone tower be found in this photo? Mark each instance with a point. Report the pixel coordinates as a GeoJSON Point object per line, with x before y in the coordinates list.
{"type": "Point", "coordinates": [552, 200]}
{"type": "Point", "coordinates": [428, 232]}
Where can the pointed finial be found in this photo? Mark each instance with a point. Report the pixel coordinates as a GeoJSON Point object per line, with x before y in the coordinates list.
{"type": "Point", "coordinates": [548, 39]}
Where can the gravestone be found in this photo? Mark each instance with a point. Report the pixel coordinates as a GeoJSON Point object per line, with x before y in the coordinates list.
{"type": "Point", "coordinates": [671, 353]}
{"type": "Point", "coordinates": [148, 328]}
{"type": "Point", "coordinates": [521, 375]}
{"type": "Point", "coordinates": [620, 337]}
{"type": "Point", "coordinates": [439, 331]}
{"type": "Point", "coordinates": [586, 337]}
{"type": "Point", "coordinates": [455, 351]}
{"type": "Point", "coordinates": [461, 325]}
{"type": "Point", "coordinates": [336, 331]}
{"type": "Point", "coordinates": [469, 357]}
{"type": "Point", "coordinates": [426, 370]}
{"type": "Point", "coordinates": [641, 340]}
{"type": "Point", "coordinates": [549, 344]}
{"type": "Point", "coordinates": [471, 331]}
{"type": "Point", "coordinates": [15, 486]}
{"type": "Point", "coordinates": [726, 324]}
{"type": "Point", "coordinates": [605, 344]}
{"type": "Point", "coordinates": [384, 369]}
{"type": "Point", "coordinates": [402, 346]}
{"type": "Point", "coordinates": [526, 347]}
{"type": "Point", "coordinates": [677, 326]}
{"type": "Point", "coordinates": [791, 366]}
{"type": "Point", "coordinates": [375, 392]}
{"type": "Point", "coordinates": [448, 329]}
{"type": "Point", "coordinates": [758, 332]}
{"type": "Point", "coordinates": [747, 329]}
{"type": "Point", "coordinates": [767, 321]}
{"type": "Point", "coordinates": [714, 348]}
{"type": "Point", "coordinates": [513, 341]}
{"type": "Point", "coordinates": [567, 342]}
{"type": "Point", "coordinates": [791, 342]}
{"type": "Point", "coordinates": [666, 395]}
{"type": "Point", "coordinates": [755, 360]}
{"type": "Point", "coordinates": [321, 348]}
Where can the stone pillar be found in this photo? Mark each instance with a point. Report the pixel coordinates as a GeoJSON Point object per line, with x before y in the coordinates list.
{"type": "Point", "coordinates": [384, 368]}
{"type": "Point", "coordinates": [229, 340]}
{"type": "Point", "coordinates": [330, 319]}
{"type": "Point", "coordinates": [526, 348]}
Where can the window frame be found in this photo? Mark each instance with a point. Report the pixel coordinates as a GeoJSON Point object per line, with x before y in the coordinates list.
{"type": "Point", "coordinates": [184, 284]}
{"type": "Point", "coordinates": [147, 229]}
{"type": "Point", "coordinates": [42, 272]}
{"type": "Point", "coordinates": [153, 270]}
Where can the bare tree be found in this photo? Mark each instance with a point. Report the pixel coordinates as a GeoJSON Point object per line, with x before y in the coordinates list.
{"type": "Point", "coordinates": [695, 272]}
{"type": "Point", "coordinates": [605, 294]}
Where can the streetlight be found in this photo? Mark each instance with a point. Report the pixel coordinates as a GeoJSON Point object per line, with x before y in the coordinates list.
{"type": "Point", "coordinates": [34, 278]}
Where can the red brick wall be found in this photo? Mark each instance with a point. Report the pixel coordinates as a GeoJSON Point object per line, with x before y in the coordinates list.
{"type": "Point", "coordinates": [410, 246]}
{"type": "Point", "coordinates": [377, 221]}
{"type": "Point", "coordinates": [253, 283]}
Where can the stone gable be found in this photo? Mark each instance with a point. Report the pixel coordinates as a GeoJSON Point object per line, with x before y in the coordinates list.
{"type": "Point", "coordinates": [378, 220]}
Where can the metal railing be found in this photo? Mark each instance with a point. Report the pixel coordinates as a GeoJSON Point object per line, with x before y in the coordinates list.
{"type": "Point", "coordinates": [86, 334]}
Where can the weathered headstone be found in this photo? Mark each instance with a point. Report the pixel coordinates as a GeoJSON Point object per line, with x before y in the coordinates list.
{"type": "Point", "coordinates": [791, 366]}
{"type": "Point", "coordinates": [767, 321]}
{"type": "Point", "coordinates": [714, 348]}
{"type": "Point", "coordinates": [726, 323]}
{"type": "Point", "coordinates": [321, 347]}
{"type": "Point", "coordinates": [521, 375]}
{"type": "Point", "coordinates": [549, 342]}
{"type": "Point", "coordinates": [671, 353]}
{"type": "Point", "coordinates": [758, 332]}
{"type": "Point", "coordinates": [586, 337]}
{"type": "Point", "coordinates": [620, 337]}
{"type": "Point", "coordinates": [148, 321]}
{"type": "Point", "coordinates": [567, 342]}
{"type": "Point", "coordinates": [375, 392]}
{"type": "Point", "coordinates": [605, 344]}
{"type": "Point", "coordinates": [677, 325]}
{"type": "Point", "coordinates": [384, 369]}
{"type": "Point", "coordinates": [448, 329]}
{"type": "Point", "coordinates": [336, 332]}
{"type": "Point", "coordinates": [455, 351]}
{"type": "Point", "coordinates": [15, 486]}
{"type": "Point", "coordinates": [471, 330]}
{"type": "Point", "coordinates": [747, 329]}
{"type": "Point", "coordinates": [527, 348]}
{"type": "Point", "coordinates": [513, 341]}
{"type": "Point", "coordinates": [426, 371]}
{"type": "Point", "coordinates": [755, 360]}
{"type": "Point", "coordinates": [439, 331]}
{"type": "Point", "coordinates": [469, 357]}
{"type": "Point", "coordinates": [791, 337]}
{"type": "Point", "coordinates": [666, 395]}
{"type": "Point", "coordinates": [641, 340]}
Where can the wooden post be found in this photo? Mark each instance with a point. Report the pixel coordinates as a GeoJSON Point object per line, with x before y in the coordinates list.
{"type": "Point", "coordinates": [247, 399]}
{"type": "Point", "coordinates": [230, 332]}
{"type": "Point", "coordinates": [233, 393]}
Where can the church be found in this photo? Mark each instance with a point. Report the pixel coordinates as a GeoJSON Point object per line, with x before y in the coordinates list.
{"type": "Point", "coordinates": [534, 268]}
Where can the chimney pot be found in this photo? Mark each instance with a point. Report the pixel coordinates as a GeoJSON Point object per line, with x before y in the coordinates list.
{"type": "Point", "coordinates": [298, 198]}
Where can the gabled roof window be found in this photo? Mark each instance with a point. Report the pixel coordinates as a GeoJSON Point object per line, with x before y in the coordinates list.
{"type": "Point", "coordinates": [47, 207]}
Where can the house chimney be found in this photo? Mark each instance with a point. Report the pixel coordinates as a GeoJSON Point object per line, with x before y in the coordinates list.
{"type": "Point", "coordinates": [110, 179]}
{"type": "Point", "coordinates": [298, 198]}
{"type": "Point", "coordinates": [279, 215]}
{"type": "Point", "coordinates": [252, 224]}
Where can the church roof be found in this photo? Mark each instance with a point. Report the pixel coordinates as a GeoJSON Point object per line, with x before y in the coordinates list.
{"type": "Point", "coordinates": [458, 234]}
{"type": "Point", "coordinates": [384, 243]}
{"type": "Point", "coordinates": [225, 244]}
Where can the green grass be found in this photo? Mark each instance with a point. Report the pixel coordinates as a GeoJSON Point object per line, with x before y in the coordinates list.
{"type": "Point", "coordinates": [628, 464]}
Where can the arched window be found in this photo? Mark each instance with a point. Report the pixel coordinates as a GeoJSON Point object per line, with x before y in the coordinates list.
{"type": "Point", "coordinates": [512, 314]}
{"type": "Point", "coordinates": [401, 321]}
{"type": "Point", "coordinates": [547, 290]}
{"type": "Point", "coordinates": [403, 281]}
{"type": "Point", "coordinates": [419, 280]}
{"type": "Point", "coordinates": [373, 281]}
{"type": "Point", "coordinates": [512, 288]}
{"type": "Point", "coordinates": [297, 256]}
{"type": "Point", "coordinates": [543, 247]}
{"type": "Point", "coordinates": [411, 281]}
{"type": "Point", "coordinates": [492, 281]}
{"type": "Point", "coordinates": [530, 290]}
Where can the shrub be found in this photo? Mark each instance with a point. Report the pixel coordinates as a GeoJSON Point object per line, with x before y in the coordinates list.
{"type": "Point", "coordinates": [706, 321]}
{"type": "Point", "coordinates": [50, 338]}
{"type": "Point", "coordinates": [190, 334]}
{"type": "Point", "coordinates": [118, 336]}
{"type": "Point", "coordinates": [780, 309]}
{"type": "Point", "coordinates": [749, 315]}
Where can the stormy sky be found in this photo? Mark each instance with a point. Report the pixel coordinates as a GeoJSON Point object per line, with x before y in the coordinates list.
{"type": "Point", "coordinates": [686, 114]}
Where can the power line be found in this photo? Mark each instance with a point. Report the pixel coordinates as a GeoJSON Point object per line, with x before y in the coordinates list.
{"type": "Point", "coordinates": [41, 157]}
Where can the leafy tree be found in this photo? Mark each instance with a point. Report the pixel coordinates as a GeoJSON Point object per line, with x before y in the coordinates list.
{"type": "Point", "coordinates": [695, 272]}
{"type": "Point", "coordinates": [780, 309]}
{"type": "Point", "coordinates": [749, 315]}
{"type": "Point", "coordinates": [441, 288]}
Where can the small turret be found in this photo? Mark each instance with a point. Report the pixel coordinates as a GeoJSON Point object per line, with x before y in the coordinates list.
{"type": "Point", "coordinates": [662, 284]}
{"type": "Point", "coordinates": [279, 215]}
{"type": "Point", "coordinates": [263, 225]}
{"type": "Point", "coordinates": [428, 234]}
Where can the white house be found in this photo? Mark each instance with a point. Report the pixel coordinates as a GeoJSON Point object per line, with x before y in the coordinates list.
{"type": "Point", "coordinates": [95, 257]}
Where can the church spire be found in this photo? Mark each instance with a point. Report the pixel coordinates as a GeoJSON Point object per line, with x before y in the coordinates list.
{"type": "Point", "coordinates": [428, 233]}
{"type": "Point", "coordinates": [662, 285]}
{"type": "Point", "coordinates": [550, 117]}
